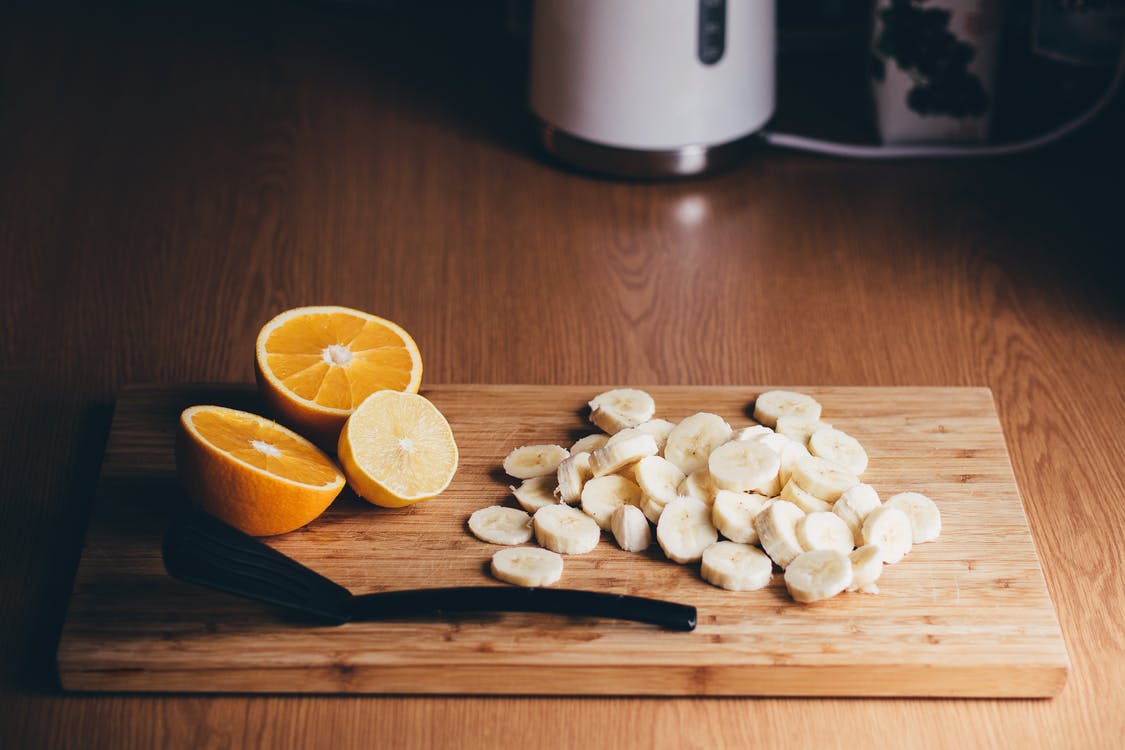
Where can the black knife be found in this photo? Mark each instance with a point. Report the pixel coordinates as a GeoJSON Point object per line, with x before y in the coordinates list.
{"type": "Point", "coordinates": [201, 549]}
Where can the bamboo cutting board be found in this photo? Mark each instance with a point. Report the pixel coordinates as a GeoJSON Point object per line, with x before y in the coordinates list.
{"type": "Point", "coordinates": [967, 615]}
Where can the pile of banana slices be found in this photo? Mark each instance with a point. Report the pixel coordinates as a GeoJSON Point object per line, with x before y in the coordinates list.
{"type": "Point", "coordinates": [784, 492]}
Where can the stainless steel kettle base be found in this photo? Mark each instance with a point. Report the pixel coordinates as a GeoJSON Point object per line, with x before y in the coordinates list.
{"type": "Point", "coordinates": [687, 161]}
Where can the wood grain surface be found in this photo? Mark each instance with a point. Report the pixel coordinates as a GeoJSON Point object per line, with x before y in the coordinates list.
{"type": "Point", "coordinates": [170, 179]}
{"type": "Point", "coordinates": [968, 615]}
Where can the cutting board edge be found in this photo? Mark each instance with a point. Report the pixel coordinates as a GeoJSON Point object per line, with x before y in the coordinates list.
{"type": "Point", "coordinates": [1023, 681]}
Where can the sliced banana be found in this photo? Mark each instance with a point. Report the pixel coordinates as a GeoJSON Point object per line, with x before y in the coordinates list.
{"type": "Point", "coordinates": [659, 429]}
{"type": "Point", "coordinates": [692, 440]}
{"type": "Point", "coordinates": [777, 531]}
{"type": "Point", "coordinates": [770, 488]}
{"type": "Point", "coordinates": [620, 408]}
{"type": "Point", "coordinates": [534, 493]}
{"type": "Point", "coordinates": [698, 485]}
{"type": "Point", "coordinates": [743, 465]}
{"type": "Point", "coordinates": [604, 495]}
{"type": "Point", "coordinates": [818, 574]}
{"type": "Point", "coordinates": [803, 500]}
{"type": "Point", "coordinates": [566, 530]}
{"type": "Point", "coordinates": [925, 518]}
{"type": "Point", "coordinates": [799, 429]}
{"type": "Point", "coordinates": [530, 461]}
{"type": "Point", "coordinates": [733, 515]}
{"type": "Point", "coordinates": [652, 508]}
{"type": "Point", "coordinates": [751, 432]}
{"type": "Point", "coordinates": [659, 478]}
{"type": "Point", "coordinates": [822, 478]}
{"type": "Point", "coordinates": [736, 567]}
{"type": "Point", "coordinates": [685, 530]}
{"type": "Point", "coordinates": [840, 448]}
{"type": "Point", "coordinates": [889, 529]}
{"type": "Point", "coordinates": [629, 472]}
{"type": "Point", "coordinates": [771, 405]}
{"type": "Point", "coordinates": [589, 444]}
{"type": "Point", "coordinates": [527, 566]}
{"type": "Point", "coordinates": [867, 566]}
{"type": "Point", "coordinates": [620, 435]}
{"type": "Point", "coordinates": [790, 454]}
{"type": "Point", "coordinates": [853, 507]}
{"type": "Point", "coordinates": [824, 530]}
{"type": "Point", "coordinates": [573, 473]}
{"type": "Point", "coordinates": [612, 458]}
{"type": "Point", "coordinates": [775, 440]}
{"type": "Point", "coordinates": [498, 524]}
{"type": "Point", "coordinates": [630, 528]}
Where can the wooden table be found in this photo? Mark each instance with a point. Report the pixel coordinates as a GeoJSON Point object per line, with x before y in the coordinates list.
{"type": "Point", "coordinates": [169, 182]}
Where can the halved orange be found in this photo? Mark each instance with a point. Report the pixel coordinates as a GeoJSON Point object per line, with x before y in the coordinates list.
{"type": "Point", "coordinates": [397, 449]}
{"type": "Point", "coordinates": [316, 364]}
{"type": "Point", "coordinates": [253, 473]}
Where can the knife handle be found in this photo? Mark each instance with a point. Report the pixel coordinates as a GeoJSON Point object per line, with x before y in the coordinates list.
{"type": "Point", "coordinates": [389, 604]}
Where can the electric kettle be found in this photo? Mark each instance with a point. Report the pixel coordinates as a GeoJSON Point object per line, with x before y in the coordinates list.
{"type": "Point", "coordinates": [651, 88]}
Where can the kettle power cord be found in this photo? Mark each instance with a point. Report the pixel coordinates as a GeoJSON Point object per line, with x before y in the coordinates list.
{"type": "Point", "coordinates": [860, 151]}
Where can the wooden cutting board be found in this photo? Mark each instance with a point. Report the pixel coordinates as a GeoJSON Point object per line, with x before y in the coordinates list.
{"type": "Point", "coordinates": [967, 615]}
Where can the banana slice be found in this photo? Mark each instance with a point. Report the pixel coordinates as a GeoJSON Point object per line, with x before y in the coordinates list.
{"type": "Point", "coordinates": [685, 530]}
{"type": "Point", "coordinates": [822, 478]}
{"type": "Point", "coordinates": [736, 567]}
{"type": "Point", "coordinates": [497, 524]}
{"type": "Point", "coordinates": [799, 429]}
{"type": "Point", "coordinates": [769, 488]}
{"type": "Point", "coordinates": [620, 435]}
{"type": "Point", "coordinates": [652, 508]}
{"type": "Point", "coordinates": [620, 408]}
{"type": "Point", "coordinates": [629, 472]}
{"type": "Point", "coordinates": [573, 473]}
{"type": "Point", "coordinates": [589, 444]}
{"type": "Point", "coordinates": [779, 444]}
{"type": "Point", "coordinates": [743, 465]}
{"type": "Point", "coordinates": [566, 530]}
{"type": "Point", "coordinates": [867, 566]}
{"type": "Point", "coordinates": [771, 405]}
{"type": "Point", "coordinates": [530, 461]}
{"type": "Point", "coordinates": [840, 448]}
{"type": "Point", "coordinates": [818, 574]}
{"type": "Point", "coordinates": [853, 507]}
{"type": "Point", "coordinates": [790, 454]}
{"type": "Point", "coordinates": [527, 566]}
{"type": "Point", "coordinates": [751, 432]}
{"type": "Point", "coordinates": [630, 529]}
{"type": "Point", "coordinates": [692, 440]}
{"type": "Point", "coordinates": [733, 515]}
{"type": "Point", "coordinates": [604, 495]}
{"type": "Point", "coordinates": [925, 518]}
{"type": "Point", "coordinates": [698, 485]}
{"type": "Point", "coordinates": [612, 458]}
{"type": "Point", "coordinates": [803, 500]}
{"type": "Point", "coordinates": [660, 429]}
{"type": "Point", "coordinates": [659, 478]}
{"type": "Point", "coordinates": [775, 440]}
{"type": "Point", "coordinates": [889, 529]}
{"type": "Point", "coordinates": [777, 531]}
{"type": "Point", "coordinates": [823, 530]}
{"type": "Point", "coordinates": [534, 493]}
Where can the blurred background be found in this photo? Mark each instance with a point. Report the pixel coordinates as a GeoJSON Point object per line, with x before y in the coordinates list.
{"type": "Point", "coordinates": [470, 59]}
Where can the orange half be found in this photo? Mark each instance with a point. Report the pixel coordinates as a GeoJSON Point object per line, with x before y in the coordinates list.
{"type": "Point", "coordinates": [316, 364]}
{"type": "Point", "coordinates": [255, 474]}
